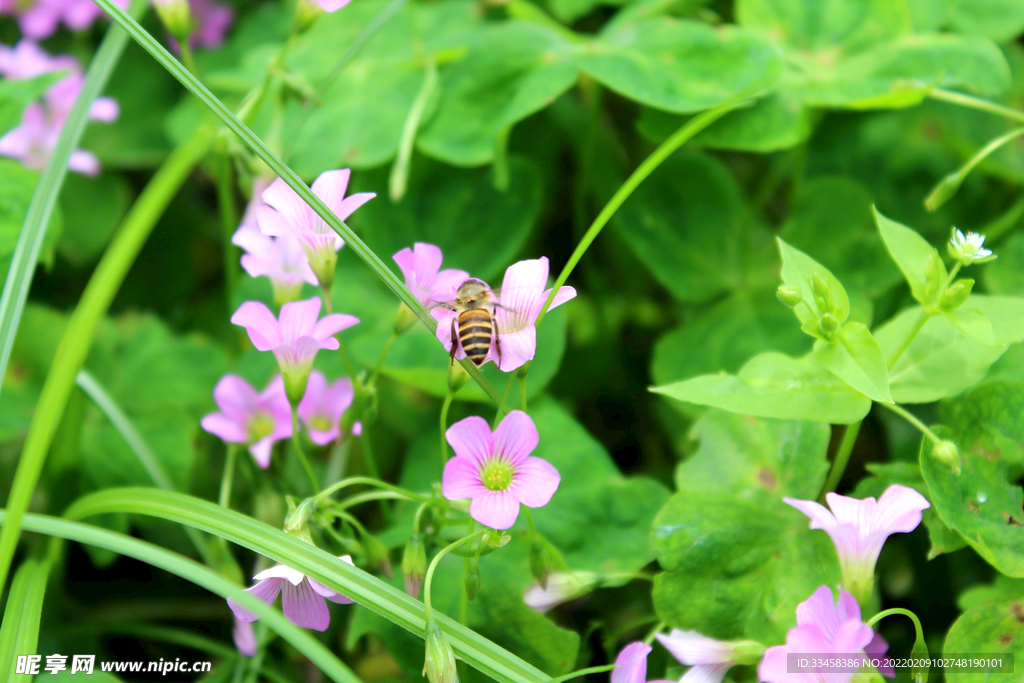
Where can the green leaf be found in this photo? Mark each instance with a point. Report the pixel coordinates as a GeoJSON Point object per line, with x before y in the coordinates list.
{"type": "Point", "coordinates": [832, 218]}
{"type": "Point", "coordinates": [912, 254]}
{"type": "Point", "coordinates": [972, 323]}
{"type": "Point", "coordinates": [856, 358]}
{"type": "Point", "coordinates": [19, 630]}
{"type": "Point", "coordinates": [798, 269]}
{"type": "Point", "coordinates": [982, 504]}
{"type": "Point", "coordinates": [995, 628]}
{"type": "Point", "coordinates": [777, 121]}
{"type": "Point", "coordinates": [17, 184]}
{"type": "Point", "coordinates": [758, 460]}
{"type": "Point", "coordinates": [980, 593]}
{"type": "Point", "coordinates": [837, 25]}
{"type": "Point", "coordinates": [1005, 275]}
{"type": "Point", "coordinates": [479, 229]}
{"type": "Point", "coordinates": [775, 385]}
{"type": "Point", "coordinates": [726, 336]}
{"type": "Point", "coordinates": [93, 208]}
{"type": "Point", "coordinates": [16, 94]}
{"type": "Point", "coordinates": [1000, 20]}
{"type": "Point", "coordinates": [687, 224]}
{"type": "Point", "coordinates": [679, 65]}
{"type": "Point", "coordinates": [735, 568]}
{"type": "Point", "coordinates": [512, 70]}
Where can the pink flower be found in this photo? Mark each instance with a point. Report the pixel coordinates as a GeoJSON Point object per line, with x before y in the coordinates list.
{"type": "Point", "coordinates": [708, 658]}
{"type": "Point", "coordinates": [287, 214]}
{"type": "Point", "coordinates": [522, 297]}
{"type": "Point", "coordinates": [322, 407]}
{"type": "Point", "coordinates": [858, 529]}
{"type": "Point", "coordinates": [281, 259]}
{"type": "Point", "coordinates": [247, 417]}
{"type": "Point", "coordinates": [245, 638]}
{"type": "Point", "coordinates": [823, 627]}
{"type": "Point", "coordinates": [294, 339]}
{"type": "Point", "coordinates": [631, 664]}
{"type": "Point", "coordinates": [302, 599]}
{"type": "Point", "coordinates": [562, 587]}
{"type": "Point", "coordinates": [40, 18]}
{"type": "Point", "coordinates": [212, 21]}
{"type": "Point", "coordinates": [32, 142]}
{"type": "Point", "coordinates": [496, 470]}
{"type": "Point", "coordinates": [420, 266]}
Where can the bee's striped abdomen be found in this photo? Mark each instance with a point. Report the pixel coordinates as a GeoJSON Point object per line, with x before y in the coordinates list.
{"type": "Point", "coordinates": [475, 330]}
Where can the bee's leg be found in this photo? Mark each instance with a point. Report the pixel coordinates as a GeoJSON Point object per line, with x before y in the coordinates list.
{"type": "Point", "coordinates": [455, 342]}
{"type": "Point", "coordinates": [497, 338]}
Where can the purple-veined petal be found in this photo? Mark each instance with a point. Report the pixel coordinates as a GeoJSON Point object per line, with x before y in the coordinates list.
{"type": "Point", "coordinates": [820, 516]}
{"type": "Point", "coordinates": [273, 223]}
{"type": "Point", "coordinates": [294, 213]}
{"type": "Point", "coordinates": [565, 293]}
{"type": "Point", "coordinates": [631, 664]}
{"type": "Point", "coordinates": [461, 479]}
{"type": "Point", "coordinates": [331, 325]}
{"type": "Point", "coordinates": [244, 637]}
{"type": "Point", "coordinates": [259, 323]}
{"type": "Point", "coordinates": [265, 590]}
{"type": "Point", "coordinates": [819, 609]}
{"type": "Point", "coordinates": [847, 607]}
{"type": "Point", "coordinates": [303, 607]}
{"type": "Point", "coordinates": [515, 438]}
{"type": "Point", "coordinates": [706, 673]}
{"type": "Point", "coordinates": [445, 319]}
{"type": "Point", "coordinates": [330, 186]}
{"type": "Point", "coordinates": [517, 348]}
{"type": "Point", "coordinates": [329, 593]}
{"type": "Point", "coordinates": [339, 397]}
{"type": "Point", "coordinates": [298, 319]}
{"type": "Point", "coordinates": [693, 648]}
{"type": "Point", "coordinates": [313, 400]}
{"type": "Point", "coordinates": [225, 428]}
{"type": "Point", "coordinates": [471, 438]}
{"type": "Point", "coordinates": [496, 509]}
{"type": "Point", "coordinates": [522, 289]}
{"type": "Point", "coordinates": [349, 206]}
{"type": "Point", "coordinates": [534, 482]}
{"type": "Point", "coordinates": [899, 510]}
{"type": "Point", "coordinates": [235, 397]}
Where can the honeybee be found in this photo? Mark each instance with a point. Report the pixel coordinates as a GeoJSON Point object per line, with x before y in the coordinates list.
{"type": "Point", "coordinates": [474, 305]}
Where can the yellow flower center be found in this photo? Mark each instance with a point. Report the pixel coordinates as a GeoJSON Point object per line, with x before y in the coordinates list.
{"type": "Point", "coordinates": [497, 475]}
{"type": "Point", "coordinates": [320, 423]}
{"type": "Point", "coordinates": [260, 425]}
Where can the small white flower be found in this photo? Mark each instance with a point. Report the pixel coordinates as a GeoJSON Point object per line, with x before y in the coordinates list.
{"type": "Point", "coordinates": [969, 248]}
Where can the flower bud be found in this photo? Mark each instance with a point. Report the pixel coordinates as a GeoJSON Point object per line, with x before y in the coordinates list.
{"type": "Point", "coordinates": [933, 277]}
{"type": "Point", "coordinates": [946, 453]}
{"type": "Point", "coordinates": [496, 539]}
{"type": "Point", "coordinates": [175, 16]}
{"type": "Point", "coordinates": [946, 188]}
{"type": "Point", "coordinates": [376, 554]}
{"type": "Point", "coordinates": [829, 326]}
{"type": "Point", "coordinates": [439, 664]}
{"type": "Point", "coordinates": [414, 565]}
{"type": "Point", "coordinates": [822, 294]}
{"type": "Point", "coordinates": [473, 579]}
{"type": "Point", "coordinates": [306, 12]}
{"type": "Point", "coordinates": [956, 295]}
{"type": "Point", "coordinates": [747, 652]}
{"type": "Point", "coordinates": [457, 377]}
{"type": "Point", "coordinates": [524, 370]}
{"type": "Point", "coordinates": [539, 564]}
{"type": "Point", "coordinates": [299, 516]}
{"type": "Point", "coordinates": [791, 295]}
{"type": "Point", "coordinates": [405, 319]}
{"type": "Point", "coordinates": [295, 385]}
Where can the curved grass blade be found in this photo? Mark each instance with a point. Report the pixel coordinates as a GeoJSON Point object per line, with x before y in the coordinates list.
{"type": "Point", "coordinates": [198, 574]}
{"type": "Point", "coordinates": [175, 68]}
{"type": "Point", "coordinates": [367, 590]}
{"type": "Point", "coordinates": [33, 230]}
{"type": "Point", "coordinates": [19, 632]}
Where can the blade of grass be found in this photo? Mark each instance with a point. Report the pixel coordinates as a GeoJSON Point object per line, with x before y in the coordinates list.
{"type": "Point", "coordinates": [77, 339]}
{"type": "Point", "coordinates": [19, 632]}
{"type": "Point", "coordinates": [175, 68]}
{"type": "Point", "coordinates": [369, 591]}
{"type": "Point", "coordinates": [198, 574]}
{"type": "Point", "coordinates": [30, 239]}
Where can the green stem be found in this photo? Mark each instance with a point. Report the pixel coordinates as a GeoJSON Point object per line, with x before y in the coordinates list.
{"type": "Point", "coordinates": [522, 394]}
{"type": "Point", "coordinates": [260, 148]}
{"type": "Point", "coordinates": [367, 497]}
{"type": "Point", "coordinates": [444, 425]}
{"type": "Point", "coordinates": [417, 518]}
{"type": "Point", "coordinates": [664, 150]}
{"type": "Point", "coordinates": [380, 361]}
{"type": "Point", "coordinates": [78, 336]}
{"type": "Point", "coordinates": [301, 453]}
{"type": "Point", "coordinates": [229, 474]}
{"type": "Point", "coordinates": [906, 415]}
{"type": "Point", "coordinates": [582, 672]}
{"type": "Point", "coordinates": [842, 458]}
{"type": "Point", "coordinates": [529, 519]}
{"type": "Point", "coordinates": [398, 181]}
{"type": "Point", "coordinates": [654, 631]}
{"type": "Point", "coordinates": [975, 103]}
{"type": "Point", "coordinates": [433, 565]}
{"type": "Point", "coordinates": [500, 412]}
{"type": "Point", "coordinates": [898, 610]}
{"type": "Point", "coordinates": [905, 344]}
{"type": "Point", "coordinates": [187, 58]}
{"type": "Point", "coordinates": [352, 481]}
{"type": "Point", "coordinates": [228, 221]}
{"type": "Point", "coordinates": [371, 467]}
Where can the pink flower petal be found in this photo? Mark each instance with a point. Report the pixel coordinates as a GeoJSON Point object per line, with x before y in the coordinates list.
{"type": "Point", "coordinates": [517, 348]}
{"type": "Point", "coordinates": [259, 322]}
{"type": "Point", "coordinates": [298, 319]}
{"type": "Point", "coordinates": [244, 637]}
{"type": "Point", "coordinates": [84, 162]}
{"type": "Point", "coordinates": [522, 290]}
{"type": "Point", "coordinates": [332, 5]}
{"type": "Point", "coordinates": [515, 438]}
{"type": "Point", "coordinates": [693, 648]}
{"type": "Point", "coordinates": [446, 285]}
{"type": "Point", "coordinates": [565, 293]}
{"type": "Point", "coordinates": [284, 572]}
{"type": "Point", "coordinates": [235, 397]}
{"type": "Point", "coordinates": [445, 318]}
{"type": "Point", "coordinates": [272, 223]}
{"type": "Point", "coordinates": [496, 509]}
{"type": "Point", "coordinates": [104, 109]}
{"type": "Point", "coordinates": [304, 608]}
{"type": "Point", "coordinates": [224, 427]}
{"type": "Point", "coordinates": [461, 479]}
{"type": "Point", "coordinates": [331, 325]}
{"type": "Point", "coordinates": [899, 510]}
{"type": "Point", "coordinates": [534, 482]}
{"type": "Point", "coordinates": [471, 438]}
{"type": "Point", "coordinates": [821, 518]}
{"type": "Point", "coordinates": [819, 609]}
{"type": "Point", "coordinates": [349, 206]}
{"type": "Point", "coordinates": [631, 664]}
{"type": "Point", "coordinates": [313, 400]}
{"type": "Point", "coordinates": [261, 451]}
{"type": "Point", "coordinates": [294, 213]}
{"type": "Point", "coordinates": [266, 591]}
{"type": "Point", "coordinates": [330, 186]}
{"type": "Point", "coordinates": [706, 673]}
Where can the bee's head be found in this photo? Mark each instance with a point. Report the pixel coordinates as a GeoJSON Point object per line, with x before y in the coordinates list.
{"type": "Point", "coordinates": [472, 290]}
